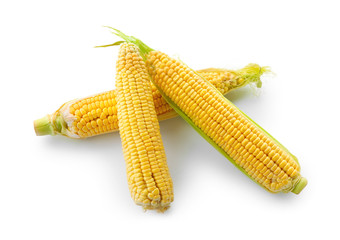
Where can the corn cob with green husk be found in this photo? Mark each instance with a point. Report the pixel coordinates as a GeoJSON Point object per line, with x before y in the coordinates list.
{"type": "Point", "coordinates": [97, 114]}
{"type": "Point", "coordinates": [148, 175]}
{"type": "Point", "coordinates": [249, 147]}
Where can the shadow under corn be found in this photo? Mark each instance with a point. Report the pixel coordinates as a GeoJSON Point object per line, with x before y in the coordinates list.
{"type": "Point", "coordinates": [101, 147]}
{"type": "Point", "coordinates": [238, 94]}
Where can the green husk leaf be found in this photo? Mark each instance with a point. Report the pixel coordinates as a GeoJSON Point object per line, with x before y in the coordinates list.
{"type": "Point", "coordinates": [143, 48]}
{"type": "Point", "coordinates": [252, 73]}
{"type": "Point", "coordinates": [112, 44]}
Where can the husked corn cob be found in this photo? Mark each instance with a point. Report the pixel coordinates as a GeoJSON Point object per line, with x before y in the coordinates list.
{"type": "Point", "coordinates": [97, 114]}
{"type": "Point", "coordinates": [148, 175]}
{"type": "Point", "coordinates": [222, 124]}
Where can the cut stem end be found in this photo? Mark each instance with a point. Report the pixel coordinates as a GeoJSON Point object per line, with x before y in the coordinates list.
{"type": "Point", "coordinates": [43, 126]}
{"type": "Point", "coordinates": [300, 185]}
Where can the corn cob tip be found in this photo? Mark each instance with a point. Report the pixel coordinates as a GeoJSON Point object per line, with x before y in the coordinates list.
{"type": "Point", "coordinates": [252, 74]}
{"type": "Point", "coordinates": [143, 48]}
{"type": "Point", "coordinates": [300, 185]}
{"type": "Point", "coordinates": [43, 126]}
{"type": "Point", "coordinates": [161, 209]}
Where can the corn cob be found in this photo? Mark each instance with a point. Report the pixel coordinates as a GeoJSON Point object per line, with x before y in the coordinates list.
{"type": "Point", "coordinates": [230, 131]}
{"type": "Point", "coordinates": [97, 114]}
{"type": "Point", "coordinates": [148, 175]}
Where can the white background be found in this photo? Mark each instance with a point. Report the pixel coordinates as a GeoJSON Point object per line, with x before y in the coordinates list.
{"type": "Point", "coordinates": [59, 188]}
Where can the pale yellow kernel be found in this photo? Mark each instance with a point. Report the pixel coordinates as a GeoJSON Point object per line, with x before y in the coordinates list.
{"type": "Point", "coordinates": [85, 107]}
{"type": "Point", "coordinates": [238, 134]}
{"type": "Point", "coordinates": [271, 154]}
{"type": "Point", "coordinates": [85, 129]}
{"type": "Point", "coordinates": [99, 122]}
{"type": "Point", "coordinates": [248, 145]}
{"type": "Point", "coordinates": [250, 158]}
{"type": "Point", "coordinates": [246, 132]}
{"type": "Point", "coordinates": [110, 111]}
{"type": "Point", "coordinates": [259, 155]}
{"type": "Point", "coordinates": [273, 186]}
{"type": "Point", "coordinates": [110, 119]}
{"type": "Point", "coordinates": [277, 171]}
{"type": "Point", "coordinates": [102, 115]}
{"type": "Point", "coordinates": [237, 146]}
{"type": "Point", "coordinates": [77, 113]}
{"type": "Point", "coordinates": [267, 150]}
{"type": "Point", "coordinates": [260, 178]}
{"type": "Point", "coordinates": [281, 174]}
{"type": "Point", "coordinates": [97, 103]}
{"type": "Point", "coordinates": [100, 128]}
{"type": "Point", "coordinates": [283, 164]}
{"type": "Point", "coordinates": [290, 170]}
{"type": "Point", "coordinates": [286, 167]}
{"type": "Point", "coordinates": [82, 111]}
{"type": "Point", "coordinates": [285, 182]}
{"type": "Point", "coordinates": [72, 110]}
{"type": "Point", "coordinates": [252, 137]}
{"type": "Point", "coordinates": [255, 163]}
{"type": "Point", "coordinates": [266, 172]}
{"type": "Point", "coordinates": [82, 122]}
{"type": "Point", "coordinates": [86, 118]}
{"type": "Point", "coordinates": [258, 142]}
{"type": "Point", "coordinates": [79, 125]}
{"type": "Point", "coordinates": [257, 150]}
{"type": "Point", "coordinates": [267, 182]}
{"type": "Point", "coordinates": [236, 123]}
{"type": "Point", "coordinates": [260, 166]}
{"type": "Point", "coordinates": [231, 141]}
{"type": "Point", "coordinates": [270, 175]}
{"type": "Point", "coordinates": [279, 160]}
{"type": "Point", "coordinates": [294, 173]}
{"type": "Point", "coordinates": [245, 142]}
{"type": "Point", "coordinates": [252, 148]}
{"type": "Point", "coordinates": [106, 104]}
{"type": "Point", "coordinates": [81, 133]}
{"type": "Point", "coordinates": [274, 167]}
{"type": "Point", "coordinates": [93, 124]}
{"type": "Point", "coordinates": [75, 106]}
